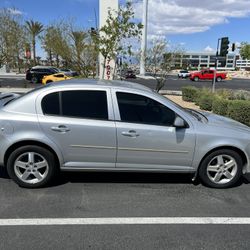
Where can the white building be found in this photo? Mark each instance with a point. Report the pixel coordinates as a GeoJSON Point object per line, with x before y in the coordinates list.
{"type": "Point", "coordinates": [242, 64]}
{"type": "Point", "coordinates": [205, 60]}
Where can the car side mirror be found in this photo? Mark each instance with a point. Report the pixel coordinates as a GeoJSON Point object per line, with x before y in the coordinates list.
{"type": "Point", "coordinates": [179, 122]}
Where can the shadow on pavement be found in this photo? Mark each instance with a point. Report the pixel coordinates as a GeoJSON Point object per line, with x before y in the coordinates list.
{"type": "Point", "coordinates": [109, 177]}
{"type": "Point", "coordinates": [3, 173]}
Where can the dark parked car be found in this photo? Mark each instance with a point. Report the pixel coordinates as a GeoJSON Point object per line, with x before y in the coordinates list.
{"type": "Point", "coordinates": [130, 74]}
{"type": "Point", "coordinates": [69, 72]}
{"type": "Point", "coordinates": [36, 74]}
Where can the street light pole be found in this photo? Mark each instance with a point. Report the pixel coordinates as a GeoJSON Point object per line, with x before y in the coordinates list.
{"type": "Point", "coordinates": [144, 37]}
{"type": "Point", "coordinates": [215, 67]}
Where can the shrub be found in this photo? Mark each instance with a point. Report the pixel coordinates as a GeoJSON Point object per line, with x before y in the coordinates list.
{"type": "Point", "coordinates": [225, 93]}
{"type": "Point", "coordinates": [239, 110]}
{"type": "Point", "coordinates": [220, 106]}
{"type": "Point", "coordinates": [189, 93]}
{"type": "Point", "coordinates": [241, 95]}
{"type": "Point", "coordinates": [206, 101]}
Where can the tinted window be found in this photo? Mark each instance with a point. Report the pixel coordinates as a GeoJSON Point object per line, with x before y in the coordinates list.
{"type": "Point", "coordinates": [141, 109]}
{"type": "Point", "coordinates": [85, 104]}
{"type": "Point", "coordinates": [59, 75]}
{"type": "Point", "coordinates": [50, 104]}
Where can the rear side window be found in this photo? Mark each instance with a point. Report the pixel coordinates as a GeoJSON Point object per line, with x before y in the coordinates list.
{"type": "Point", "coordinates": [75, 103]}
{"type": "Point", "coordinates": [50, 104]}
{"type": "Point", "coordinates": [85, 104]}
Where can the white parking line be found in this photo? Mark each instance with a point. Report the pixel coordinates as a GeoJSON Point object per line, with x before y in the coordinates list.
{"type": "Point", "coordinates": [125, 221]}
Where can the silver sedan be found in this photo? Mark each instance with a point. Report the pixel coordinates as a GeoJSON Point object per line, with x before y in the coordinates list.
{"type": "Point", "coordinates": [89, 125]}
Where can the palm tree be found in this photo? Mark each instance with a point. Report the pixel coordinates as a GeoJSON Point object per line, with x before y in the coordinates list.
{"type": "Point", "coordinates": [34, 28]}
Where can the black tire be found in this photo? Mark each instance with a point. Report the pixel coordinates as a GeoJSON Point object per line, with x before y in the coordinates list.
{"type": "Point", "coordinates": [203, 173]}
{"type": "Point", "coordinates": [51, 167]}
{"type": "Point", "coordinates": [34, 79]}
{"type": "Point", "coordinates": [196, 78]}
{"type": "Point", "coordinates": [218, 79]}
{"type": "Point", "coordinates": [49, 81]}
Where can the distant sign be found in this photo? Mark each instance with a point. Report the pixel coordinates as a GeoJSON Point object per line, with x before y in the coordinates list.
{"type": "Point", "coordinates": [28, 54]}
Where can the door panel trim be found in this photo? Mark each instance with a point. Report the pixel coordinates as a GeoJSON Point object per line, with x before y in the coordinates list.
{"type": "Point", "coordinates": [91, 146]}
{"type": "Point", "coordinates": [153, 150]}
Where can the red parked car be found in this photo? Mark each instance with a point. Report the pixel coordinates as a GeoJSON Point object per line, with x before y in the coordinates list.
{"type": "Point", "coordinates": [207, 74]}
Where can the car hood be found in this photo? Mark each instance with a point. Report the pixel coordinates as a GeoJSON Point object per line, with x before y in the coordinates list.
{"type": "Point", "coordinates": [225, 122]}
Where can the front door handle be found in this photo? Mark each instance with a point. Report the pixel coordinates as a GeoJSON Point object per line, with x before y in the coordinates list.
{"type": "Point", "coordinates": [130, 133]}
{"type": "Point", "coordinates": [61, 128]}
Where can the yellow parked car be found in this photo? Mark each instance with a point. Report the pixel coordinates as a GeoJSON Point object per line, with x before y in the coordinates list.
{"type": "Point", "coordinates": [55, 78]}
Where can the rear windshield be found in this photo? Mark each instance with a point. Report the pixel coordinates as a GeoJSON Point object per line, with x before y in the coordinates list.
{"type": "Point", "coordinates": [25, 94]}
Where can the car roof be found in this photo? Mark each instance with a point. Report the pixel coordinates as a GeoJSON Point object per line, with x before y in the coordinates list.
{"type": "Point", "coordinates": [43, 67]}
{"type": "Point", "coordinates": [97, 83]}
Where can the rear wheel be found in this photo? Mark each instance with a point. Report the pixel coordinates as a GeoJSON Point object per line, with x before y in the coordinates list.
{"type": "Point", "coordinates": [31, 166]}
{"type": "Point", "coordinates": [221, 169]}
{"type": "Point", "coordinates": [34, 79]}
{"type": "Point", "coordinates": [196, 78]}
{"type": "Point", "coordinates": [49, 81]}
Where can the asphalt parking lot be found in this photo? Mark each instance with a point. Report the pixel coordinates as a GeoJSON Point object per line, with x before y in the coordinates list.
{"type": "Point", "coordinates": [75, 196]}
{"type": "Point", "coordinates": [124, 210]}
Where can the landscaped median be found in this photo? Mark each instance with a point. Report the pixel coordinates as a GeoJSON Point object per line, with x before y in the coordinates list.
{"type": "Point", "coordinates": [233, 104]}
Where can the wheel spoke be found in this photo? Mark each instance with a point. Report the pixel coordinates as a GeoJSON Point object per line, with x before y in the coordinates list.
{"type": "Point", "coordinates": [217, 177]}
{"type": "Point", "coordinates": [25, 175]}
{"type": "Point", "coordinates": [228, 175]}
{"type": "Point", "coordinates": [220, 159]}
{"type": "Point", "coordinates": [212, 168]}
{"type": "Point", "coordinates": [229, 164]}
{"type": "Point", "coordinates": [31, 157]}
{"type": "Point", "coordinates": [38, 175]}
{"type": "Point", "coordinates": [21, 164]}
{"type": "Point", "coordinates": [41, 164]}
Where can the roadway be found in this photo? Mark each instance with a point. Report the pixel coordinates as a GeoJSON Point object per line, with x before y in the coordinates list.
{"type": "Point", "coordinates": [172, 83]}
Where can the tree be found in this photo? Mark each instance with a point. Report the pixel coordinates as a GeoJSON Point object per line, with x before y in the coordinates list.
{"type": "Point", "coordinates": [245, 50]}
{"type": "Point", "coordinates": [160, 60]}
{"type": "Point", "coordinates": [12, 39]}
{"type": "Point", "coordinates": [119, 26]}
{"type": "Point", "coordinates": [34, 28]}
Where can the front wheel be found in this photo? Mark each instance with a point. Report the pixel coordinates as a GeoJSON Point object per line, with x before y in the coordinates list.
{"type": "Point", "coordinates": [221, 169]}
{"type": "Point", "coordinates": [31, 166]}
{"type": "Point", "coordinates": [218, 79]}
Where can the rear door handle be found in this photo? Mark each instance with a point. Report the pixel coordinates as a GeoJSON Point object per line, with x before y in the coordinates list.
{"type": "Point", "coordinates": [61, 128]}
{"type": "Point", "coordinates": [130, 133]}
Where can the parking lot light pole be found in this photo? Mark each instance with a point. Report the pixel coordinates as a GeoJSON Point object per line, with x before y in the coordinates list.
{"type": "Point", "coordinates": [144, 37]}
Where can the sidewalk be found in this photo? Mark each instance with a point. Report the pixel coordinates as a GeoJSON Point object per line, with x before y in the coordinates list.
{"type": "Point", "coordinates": [11, 75]}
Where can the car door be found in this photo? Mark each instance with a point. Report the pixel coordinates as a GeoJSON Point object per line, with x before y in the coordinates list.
{"type": "Point", "coordinates": [81, 123]}
{"type": "Point", "coordinates": [205, 75]}
{"type": "Point", "coordinates": [146, 136]}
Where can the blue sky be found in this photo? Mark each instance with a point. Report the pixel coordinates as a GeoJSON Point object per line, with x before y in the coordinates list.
{"type": "Point", "coordinates": [195, 24]}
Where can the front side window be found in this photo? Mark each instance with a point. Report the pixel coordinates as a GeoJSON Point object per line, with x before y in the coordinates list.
{"type": "Point", "coordinates": [85, 104]}
{"type": "Point", "coordinates": [141, 109]}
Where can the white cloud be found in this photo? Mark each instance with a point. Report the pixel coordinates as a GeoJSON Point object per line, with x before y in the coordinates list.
{"type": "Point", "coordinates": [209, 49]}
{"type": "Point", "coordinates": [14, 11]}
{"type": "Point", "coordinates": [186, 17]}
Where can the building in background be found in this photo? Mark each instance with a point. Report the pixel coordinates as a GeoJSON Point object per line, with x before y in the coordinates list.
{"type": "Point", "coordinates": [243, 64]}
{"type": "Point", "coordinates": [201, 60]}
